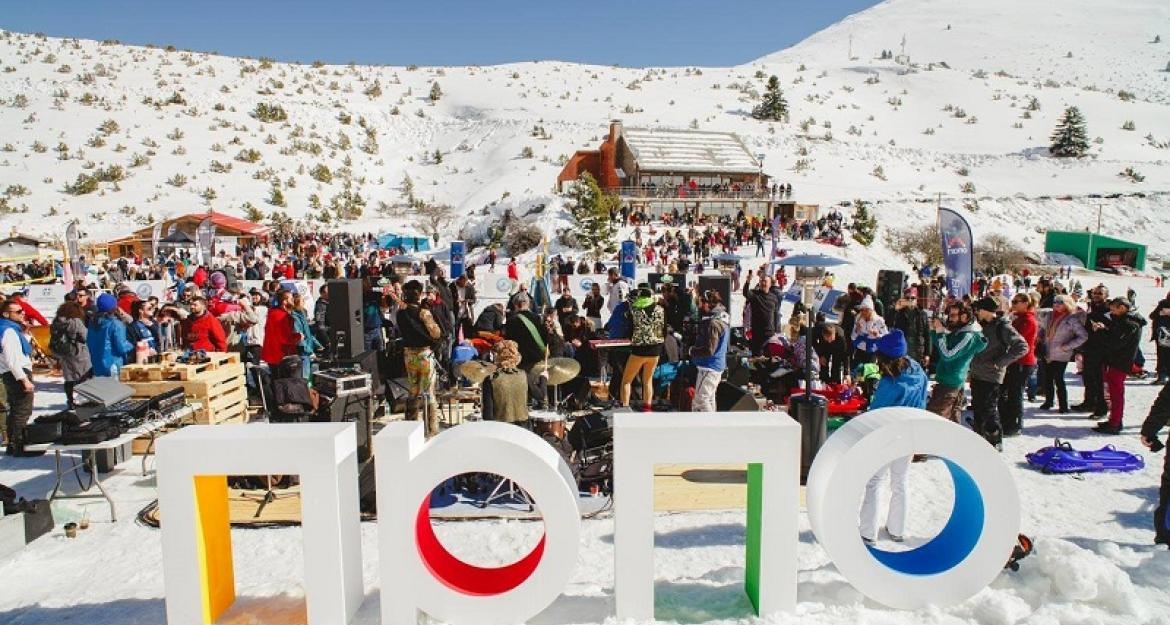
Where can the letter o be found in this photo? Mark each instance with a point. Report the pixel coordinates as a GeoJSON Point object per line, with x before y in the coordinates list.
{"type": "Point", "coordinates": [426, 574]}
{"type": "Point", "coordinates": [972, 547]}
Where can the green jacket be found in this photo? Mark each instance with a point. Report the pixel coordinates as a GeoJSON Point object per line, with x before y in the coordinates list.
{"type": "Point", "coordinates": [952, 353]}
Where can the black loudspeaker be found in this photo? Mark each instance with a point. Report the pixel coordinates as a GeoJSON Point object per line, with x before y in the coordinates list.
{"type": "Point", "coordinates": [680, 279]}
{"type": "Point", "coordinates": [344, 315]}
{"type": "Point", "coordinates": [731, 398]}
{"type": "Point", "coordinates": [720, 284]}
{"type": "Point", "coordinates": [349, 408]}
{"type": "Point", "coordinates": [890, 285]}
{"type": "Point", "coordinates": [367, 488]}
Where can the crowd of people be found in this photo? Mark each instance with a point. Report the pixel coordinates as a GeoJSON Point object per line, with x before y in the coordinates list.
{"type": "Point", "coordinates": [661, 346]}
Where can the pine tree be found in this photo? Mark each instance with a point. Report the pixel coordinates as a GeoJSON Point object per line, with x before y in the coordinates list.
{"type": "Point", "coordinates": [251, 213]}
{"type": "Point", "coordinates": [864, 224]}
{"type": "Point", "coordinates": [591, 206]}
{"type": "Point", "coordinates": [436, 92]}
{"type": "Point", "coordinates": [276, 197]}
{"type": "Point", "coordinates": [1070, 137]}
{"type": "Point", "coordinates": [774, 107]}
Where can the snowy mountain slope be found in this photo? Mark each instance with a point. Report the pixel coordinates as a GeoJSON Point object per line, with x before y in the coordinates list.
{"type": "Point", "coordinates": [861, 128]}
{"type": "Point", "coordinates": [1087, 43]}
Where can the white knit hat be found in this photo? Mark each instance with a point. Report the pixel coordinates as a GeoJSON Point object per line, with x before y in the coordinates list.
{"type": "Point", "coordinates": [867, 303]}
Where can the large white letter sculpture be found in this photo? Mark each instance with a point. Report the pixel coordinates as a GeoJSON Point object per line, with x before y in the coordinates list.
{"type": "Point", "coordinates": [972, 547]}
{"type": "Point", "coordinates": [197, 550]}
{"type": "Point", "coordinates": [769, 442]}
{"type": "Point", "coordinates": [418, 573]}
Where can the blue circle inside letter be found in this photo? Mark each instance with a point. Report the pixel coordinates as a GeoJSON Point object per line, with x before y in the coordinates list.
{"type": "Point", "coordinates": [954, 543]}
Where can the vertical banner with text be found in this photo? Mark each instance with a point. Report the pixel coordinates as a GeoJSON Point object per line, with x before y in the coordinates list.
{"type": "Point", "coordinates": [629, 259]}
{"type": "Point", "coordinates": [957, 248]}
{"type": "Point", "coordinates": [457, 258]}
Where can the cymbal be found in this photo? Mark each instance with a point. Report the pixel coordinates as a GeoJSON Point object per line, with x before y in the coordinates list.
{"type": "Point", "coordinates": [476, 371]}
{"type": "Point", "coordinates": [560, 370]}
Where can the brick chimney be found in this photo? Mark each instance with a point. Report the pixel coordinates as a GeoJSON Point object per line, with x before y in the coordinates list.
{"type": "Point", "coordinates": [608, 175]}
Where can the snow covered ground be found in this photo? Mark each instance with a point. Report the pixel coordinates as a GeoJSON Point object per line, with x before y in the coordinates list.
{"type": "Point", "coordinates": [1094, 561]}
{"type": "Point", "coordinates": [957, 111]}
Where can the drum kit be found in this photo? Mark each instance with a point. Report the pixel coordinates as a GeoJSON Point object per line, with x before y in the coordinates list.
{"type": "Point", "coordinates": [551, 425]}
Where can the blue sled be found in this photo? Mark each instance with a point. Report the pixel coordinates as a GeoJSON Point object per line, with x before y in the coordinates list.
{"type": "Point", "coordinates": [1062, 458]}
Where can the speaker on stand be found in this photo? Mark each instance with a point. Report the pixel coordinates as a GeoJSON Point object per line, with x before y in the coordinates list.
{"type": "Point", "coordinates": [890, 285]}
{"type": "Point", "coordinates": [344, 316]}
{"type": "Point", "coordinates": [720, 284]}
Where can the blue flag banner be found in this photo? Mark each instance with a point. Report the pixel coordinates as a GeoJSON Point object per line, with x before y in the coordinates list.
{"type": "Point", "coordinates": [629, 259]}
{"type": "Point", "coordinates": [958, 247]}
{"type": "Point", "coordinates": [457, 253]}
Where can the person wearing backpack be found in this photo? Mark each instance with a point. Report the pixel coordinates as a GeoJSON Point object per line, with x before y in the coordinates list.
{"type": "Point", "coordinates": [1160, 335]}
{"type": "Point", "coordinates": [67, 336]}
{"type": "Point", "coordinates": [988, 367]}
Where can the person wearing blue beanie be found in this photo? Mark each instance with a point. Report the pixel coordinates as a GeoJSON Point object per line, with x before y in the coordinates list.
{"type": "Point", "coordinates": [106, 303]}
{"type": "Point", "coordinates": [892, 345]}
{"type": "Point", "coordinates": [106, 338]}
{"type": "Point", "coordinates": [903, 383]}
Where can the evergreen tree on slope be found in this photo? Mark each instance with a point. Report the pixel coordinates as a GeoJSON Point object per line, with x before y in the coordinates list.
{"type": "Point", "coordinates": [591, 206]}
{"type": "Point", "coordinates": [774, 107]}
{"type": "Point", "coordinates": [1070, 137]}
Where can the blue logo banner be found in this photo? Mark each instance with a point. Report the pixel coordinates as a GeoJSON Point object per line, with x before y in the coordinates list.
{"type": "Point", "coordinates": [629, 259]}
{"type": "Point", "coordinates": [457, 253]}
{"type": "Point", "coordinates": [958, 250]}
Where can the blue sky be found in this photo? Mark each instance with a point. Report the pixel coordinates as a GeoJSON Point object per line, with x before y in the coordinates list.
{"type": "Point", "coordinates": [445, 32]}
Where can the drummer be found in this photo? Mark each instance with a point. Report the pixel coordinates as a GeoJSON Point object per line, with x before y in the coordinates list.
{"type": "Point", "coordinates": [505, 391]}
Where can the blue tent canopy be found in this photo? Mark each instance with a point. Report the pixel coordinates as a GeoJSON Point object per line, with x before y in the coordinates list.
{"type": "Point", "coordinates": [410, 243]}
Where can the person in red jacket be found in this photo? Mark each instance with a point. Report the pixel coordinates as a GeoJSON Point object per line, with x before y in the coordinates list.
{"type": "Point", "coordinates": [1011, 392]}
{"type": "Point", "coordinates": [280, 338]}
{"type": "Point", "coordinates": [201, 330]}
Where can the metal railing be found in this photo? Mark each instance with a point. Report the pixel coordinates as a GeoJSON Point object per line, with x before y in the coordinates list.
{"type": "Point", "coordinates": [699, 193]}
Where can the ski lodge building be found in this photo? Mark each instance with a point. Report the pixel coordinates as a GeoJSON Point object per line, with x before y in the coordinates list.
{"type": "Point", "coordinates": [661, 170]}
{"type": "Point", "coordinates": [229, 232]}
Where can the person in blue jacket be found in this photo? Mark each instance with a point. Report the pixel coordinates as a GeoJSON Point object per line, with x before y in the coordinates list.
{"type": "Point", "coordinates": [308, 344]}
{"type": "Point", "coordinates": [903, 383]}
{"type": "Point", "coordinates": [106, 338]}
{"type": "Point", "coordinates": [619, 326]}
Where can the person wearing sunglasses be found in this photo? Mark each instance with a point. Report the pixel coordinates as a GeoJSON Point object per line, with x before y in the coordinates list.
{"type": "Point", "coordinates": [16, 373]}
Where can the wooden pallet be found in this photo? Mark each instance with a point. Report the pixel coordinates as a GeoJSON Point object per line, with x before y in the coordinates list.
{"type": "Point", "coordinates": [221, 392]}
{"type": "Point", "coordinates": [178, 371]}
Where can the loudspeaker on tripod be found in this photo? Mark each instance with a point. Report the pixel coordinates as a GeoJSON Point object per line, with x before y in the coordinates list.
{"type": "Point", "coordinates": [344, 315]}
